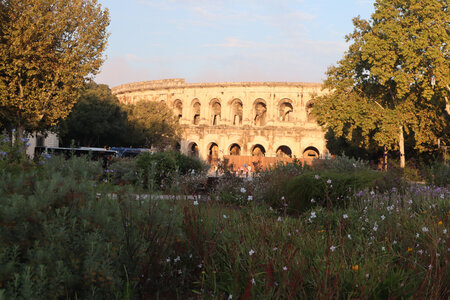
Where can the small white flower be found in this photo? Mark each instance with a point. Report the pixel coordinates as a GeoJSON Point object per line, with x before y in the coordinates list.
{"type": "Point", "coordinates": [424, 229]}
{"type": "Point", "coordinates": [444, 231]}
{"type": "Point", "coordinates": [190, 255]}
{"type": "Point", "coordinates": [394, 242]}
{"type": "Point", "coordinates": [275, 248]}
{"type": "Point", "coordinates": [282, 198]}
{"type": "Point", "coordinates": [279, 219]}
{"type": "Point", "coordinates": [332, 248]}
{"type": "Point", "coordinates": [329, 181]}
{"type": "Point", "coordinates": [243, 190]}
{"type": "Point", "coordinates": [179, 272]}
{"type": "Point", "coordinates": [253, 281]}
{"type": "Point", "coordinates": [251, 252]}
{"type": "Point", "coordinates": [345, 216]}
{"type": "Point", "coordinates": [199, 266]}
{"type": "Point", "coordinates": [349, 236]}
{"type": "Point", "coordinates": [230, 297]}
{"type": "Point", "coordinates": [354, 165]}
{"type": "Point", "coordinates": [442, 196]}
{"type": "Point", "coordinates": [430, 267]}
{"type": "Point", "coordinates": [410, 202]}
{"type": "Point", "coordinates": [250, 198]}
{"type": "Point", "coordinates": [367, 275]}
{"type": "Point", "coordinates": [225, 216]}
{"type": "Point", "coordinates": [383, 248]}
{"type": "Point", "coordinates": [383, 217]}
{"type": "Point", "coordinates": [417, 235]}
{"type": "Point", "coordinates": [366, 220]}
{"type": "Point", "coordinates": [362, 228]}
{"type": "Point", "coordinates": [177, 259]}
{"type": "Point", "coordinates": [438, 255]}
{"type": "Point", "coordinates": [420, 251]}
{"type": "Point", "coordinates": [372, 193]}
{"type": "Point", "coordinates": [316, 176]}
{"type": "Point", "coordinates": [313, 201]}
{"type": "Point", "coordinates": [270, 208]}
{"type": "Point", "coordinates": [168, 259]}
{"type": "Point", "coordinates": [195, 202]}
{"type": "Point", "coordinates": [313, 214]}
{"type": "Point", "coordinates": [284, 268]}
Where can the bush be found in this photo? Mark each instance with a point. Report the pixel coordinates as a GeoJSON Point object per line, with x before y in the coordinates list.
{"type": "Point", "coordinates": [438, 174]}
{"type": "Point", "coordinates": [123, 171]}
{"type": "Point", "coordinates": [158, 169]}
{"type": "Point", "coordinates": [329, 188]}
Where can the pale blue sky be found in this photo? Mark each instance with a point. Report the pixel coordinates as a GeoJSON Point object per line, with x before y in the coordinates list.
{"type": "Point", "coordinates": [227, 40]}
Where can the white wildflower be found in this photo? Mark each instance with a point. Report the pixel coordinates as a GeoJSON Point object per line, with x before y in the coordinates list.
{"type": "Point", "coordinates": [329, 181]}
{"type": "Point", "coordinates": [316, 176]}
{"type": "Point", "coordinates": [168, 259]}
{"type": "Point", "coordinates": [230, 297]}
{"type": "Point", "coordinates": [383, 217]}
{"type": "Point", "coordinates": [284, 268]}
{"type": "Point", "coordinates": [225, 216]}
{"type": "Point", "coordinates": [345, 216]}
{"type": "Point", "coordinates": [383, 248]}
{"type": "Point", "coordinates": [195, 202]}
{"type": "Point", "coordinates": [251, 252]}
{"type": "Point", "coordinates": [349, 236]}
{"type": "Point", "coordinates": [250, 198]}
{"type": "Point", "coordinates": [253, 281]}
{"type": "Point", "coordinates": [367, 275]}
{"type": "Point", "coordinates": [279, 219]}
{"type": "Point", "coordinates": [425, 229]}
{"type": "Point", "coordinates": [243, 190]}
{"type": "Point", "coordinates": [332, 248]}
{"type": "Point", "coordinates": [313, 201]}
{"type": "Point", "coordinates": [275, 248]}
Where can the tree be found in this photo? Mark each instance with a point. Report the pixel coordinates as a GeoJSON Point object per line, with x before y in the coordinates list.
{"type": "Point", "coordinates": [394, 79]}
{"type": "Point", "coordinates": [97, 119]}
{"type": "Point", "coordinates": [152, 124]}
{"type": "Point", "coordinates": [47, 50]}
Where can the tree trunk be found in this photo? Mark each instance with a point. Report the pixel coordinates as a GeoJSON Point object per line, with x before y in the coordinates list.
{"type": "Point", "coordinates": [401, 144]}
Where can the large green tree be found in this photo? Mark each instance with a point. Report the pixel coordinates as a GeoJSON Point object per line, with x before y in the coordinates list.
{"type": "Point", "coordinates": [393, 80]}
{"type": "Point", "coordinates": [152, 124]}
{"type": "Point", "coordinates": [47, 50]}
{"type": "Point", "coordinates": [97, 119]}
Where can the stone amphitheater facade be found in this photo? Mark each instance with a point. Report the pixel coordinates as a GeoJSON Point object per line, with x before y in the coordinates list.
{"type": "Point", "coordinates": [271, 119]}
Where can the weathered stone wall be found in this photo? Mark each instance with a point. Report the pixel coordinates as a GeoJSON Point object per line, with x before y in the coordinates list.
{"type": "Point", "coordinates": [271, 116]}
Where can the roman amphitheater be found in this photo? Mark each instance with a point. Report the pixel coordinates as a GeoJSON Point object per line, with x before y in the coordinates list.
{"type": "Point", "coordinates": [238, 119]}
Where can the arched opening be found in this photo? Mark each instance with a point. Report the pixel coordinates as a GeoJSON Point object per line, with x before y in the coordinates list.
{"type": "Point", "coordinates": [260, 113]}
{"type": "Point", "coordinates": [196, 112]}
{"type": "Point", "coordinates": [309, 115]}
{"type": "Point", "coordinates": [213, 154]}
{"type": "Point", "coordinates": [311, 152]}
{"type": "Point", "coordinates": [235, 149]}
{"type": "Point", "coordinates": [258, 150]}
{"type": "Point", "coordinates": [193, 150]}
{"type": "Point", "coordinates": [216, 111]}
{"type": "Point", "coordinates": [236, 112]}
{"type": "Point", "coordinates": [177, 146]}
{"type": "Point", "coordinates": [286, 111]}
{"type": "Point", "coordinates": [178, 108]}
{"type": "Point", "coordinates": [284, 151]}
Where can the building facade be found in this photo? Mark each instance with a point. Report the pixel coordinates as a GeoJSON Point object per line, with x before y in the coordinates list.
{"type": "Point", "coordinates": [271, 119]}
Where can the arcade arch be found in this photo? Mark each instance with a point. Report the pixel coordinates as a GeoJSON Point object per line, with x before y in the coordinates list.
{"type": "Point", "coordinates": [311, 152]}
{"type": "Point", "coordinates": [284, 151]}
{"type": "Point", "coordinates": [196, 106]}
{"type": "Point", "coordinates": [235, 149]}
{"type": "Point", "coordinates": [193, 149]}
{"type": "Point", "coordinates": [286, 111]}
{"type": "Point", "coordinates": [178, 108]}
{"type": "Point", "coordinates": [236, 112]}
{"type": "Point", "coordinates": [216, 111]}
{"type": "Point", "coordinates": [260, 110]}
{"type": "Point", "coordinates": [258, 150]}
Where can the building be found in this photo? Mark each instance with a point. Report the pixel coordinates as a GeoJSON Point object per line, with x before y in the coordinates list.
{"type": "Point", "coordinates": [271, 119]}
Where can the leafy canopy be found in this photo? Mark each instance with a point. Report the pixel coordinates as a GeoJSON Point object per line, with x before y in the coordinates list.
{"type": "Point", "coordinates": [97, 119]}
{"type": "Point", "coordinates": [47, 50]}
{"type": "Point", "coordinates": [395, 74]}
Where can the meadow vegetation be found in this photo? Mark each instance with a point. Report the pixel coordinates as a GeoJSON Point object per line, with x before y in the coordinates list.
{"type": "Point", "coordinates": [334, 230]}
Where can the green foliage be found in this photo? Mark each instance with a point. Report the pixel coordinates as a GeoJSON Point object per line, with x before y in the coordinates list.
{"type": "Point", "coordinates": [47, 50]}
{"type": "Point", "coordinates": [96, 119]}
{"type": "Point", "coordinates": [12, 153]}
{"type": "Point", "coordinates": [158, 169]}
{"type": "Point", "coordinates": [332, 188]}
{"type": "Point", "coordinates": [123, 171]}
{"type": "Point", "coordinates": [438, 174]}
{"type": "Point", "coordinates": [152, 124]}
{"type": "Point", "coordinates": [382, 88]}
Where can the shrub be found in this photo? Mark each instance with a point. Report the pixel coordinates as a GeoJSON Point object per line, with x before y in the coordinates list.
{"type": "Point", "coordinates": [157, 169]}
{"type": "Point", "coordinates": [328, 188]}
{"type": "Point", "coordinates": [123, 171]}
{"type": "Point", "coordinates": [438, 174]}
